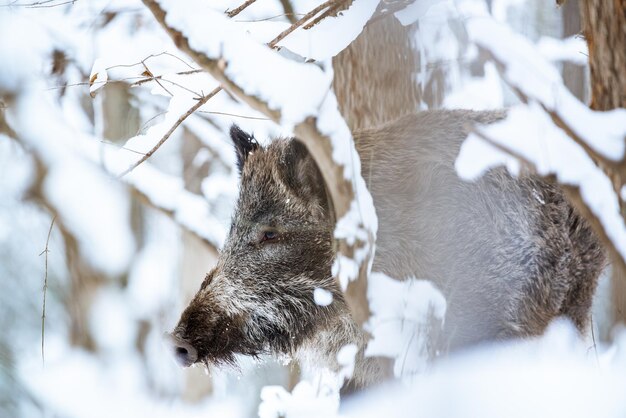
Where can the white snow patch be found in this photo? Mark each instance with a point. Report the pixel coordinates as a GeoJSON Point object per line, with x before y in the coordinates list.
{"type": "Point", "coordinates": [572, 49]}
{"type": "Point", "coordinates": [346, 269]}
{"type": "Point", "coordinates": [360, 221]}
{"type": "Point", "coordinates": [112, 325]}
{"type": "Point", "coordinates": [91, 204]}
{"type": "Point", "coordinates": [402, 313]}
{"type": "Point", "coordinates": [76, 384]}
{"type": "Point", "coordinates": [480, 93]}
{"type": "Point", "coordinates": [217, 185]}
{"type": "Point", "coordinates": [414, 11]}
{"type": "Point", "coordinates": [333, 34]}
{"type": "Point", "coordinates": [95, 209]}
{"type": "Point", "coordinates": [307, 400]}
{"type": "Point", "coordinates": [345, 358]}
{"type": "Point", "coordinates": [556, 375]}
{"type": "Point", "coordinates": [168, 192]}
{"type": "Point", "coordinates": [322, 297]}
{"type": "Point", "coordinates": [22, 57]}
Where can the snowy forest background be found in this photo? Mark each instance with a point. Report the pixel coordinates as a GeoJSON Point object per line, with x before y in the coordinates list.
{"type": "Point", "coordinates": [89, 89]}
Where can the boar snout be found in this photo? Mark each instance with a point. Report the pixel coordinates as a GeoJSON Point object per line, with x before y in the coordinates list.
{"type": "Point", "coordinates": [184, 353]}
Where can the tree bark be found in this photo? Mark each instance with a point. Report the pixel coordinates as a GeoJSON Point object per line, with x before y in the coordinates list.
{"type": "Point", "coordinates": [605, 32]}
{"type": "Point", "coordinates": [375, 77]}
{"type": "Point", "coordinates": [573, 74]}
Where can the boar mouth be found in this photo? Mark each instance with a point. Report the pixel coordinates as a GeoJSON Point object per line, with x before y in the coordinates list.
{"type": "Point", "coordinates": [214, 350]}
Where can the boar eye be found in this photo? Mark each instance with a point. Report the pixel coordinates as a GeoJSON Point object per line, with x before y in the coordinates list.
{"type": "Point", "coordinates": [269, 235]}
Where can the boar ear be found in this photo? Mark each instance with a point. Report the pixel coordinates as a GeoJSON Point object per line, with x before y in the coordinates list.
{"type": "Point", "coordinates": [302, 174]}
{"type": "Point", "coordinates": [244, 145]}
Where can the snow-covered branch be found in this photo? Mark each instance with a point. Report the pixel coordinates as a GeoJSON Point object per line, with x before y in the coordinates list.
{"type": "Point", "coordinates": [553, 133]}
{"type": "Point", "coordinates": [602, 134]}
{"type": "Point", "coordinates": [292, 94]}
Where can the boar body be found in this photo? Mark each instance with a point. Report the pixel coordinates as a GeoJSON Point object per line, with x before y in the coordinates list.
{"type": "Point", "coordinates": [509, 254]}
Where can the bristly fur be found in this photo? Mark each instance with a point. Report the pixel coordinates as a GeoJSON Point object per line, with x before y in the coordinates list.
{"type": "Point", "coordinates": [244, 144]}
{"type": "Point", "coordinates": [509, 254]}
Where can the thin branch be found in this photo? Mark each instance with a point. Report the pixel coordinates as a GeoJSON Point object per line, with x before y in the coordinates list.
{"type": "Point", "coordinates": [300, 22]}
{"type": "Point", "coordinates": [332, 11]}
{"type": "Point", "coordinates": [239, 9]}
{"type": "Point", "coordinates": [149, 73]}
{"type": "Point", "coordinates": [205, 99]}
{"type": "Point", "coordinates": [232, 114]}
{"type": "Point", "coordinates": [37, 4]}
{"type": "Point", "coordinates": [593, 340]}
{"type": "Point", "coordinates": [288, 9]}
{"type": "Point", "coordinates": [148, 79]}
{"type": "Point", "coordinates": [4, 126]}
{"type": "Point", "coordinates": [104, 141]}
{"type": "Point", "coordinates": [265, 19]}
{"type": "Point", "coordinates": [143, 126]}
{"type": "Point", "coordinates": [176, 124]}
{"type": "Point", "coordinates": [41, 6]}
{"type": "Point", "coordinates": [45, 288]}
{"type": "Point", "coordinates": [199, 95]}
{"type": "Point", "coordinates": [142, 62]}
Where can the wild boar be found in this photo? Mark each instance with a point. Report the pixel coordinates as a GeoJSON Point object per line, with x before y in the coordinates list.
{"type": "Point", "coordinates": [509, 254]}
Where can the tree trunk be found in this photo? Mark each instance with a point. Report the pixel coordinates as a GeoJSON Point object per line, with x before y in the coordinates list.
{"type": "Point", "coordinates": [376, 82]}
{"type": "Point", "coordinates": [573, 74]}
{"type": "Point", "coordinates": [375, 77]}
{"type": "Point", "coordinates": [605, 31]}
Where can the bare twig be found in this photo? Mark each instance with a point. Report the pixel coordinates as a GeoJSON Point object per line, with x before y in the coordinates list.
{"type": "Point", "coordinates": [148, 79]}
{"type": "Point", "coordinates": [103, 141]}
{"type": "Point", "coordinates": [4, 126]}
{"type": "Point", "coordinates": [232, 114]}
{"type": "Point", "coordinates": [139, 80]}
{"type": "Point", "coordinates": [205, 99]}
{"type": "Point", "coordinates": [265, 19]}
{"type": "Point", "coordinates": [44, 6]}
{"type": "Point", "coordinates": [176, 124]}
{"type": "Point", "coordinates": [143, 61]}
{"type": "Point", "coordinates": [239, 9]}
{"type": "Point", "coordinates": [149, 74]}
{"type": "Point", "coordinates": [288, 9]}
{"type": "Point", "coordinates": [332, 11]}
{"type": "Point", "coordinates": [38, 4]}
{"type": "Point", "coordinates": [300, 22]}
{"type": "Point", "coordinates": [593, 339]}
{"type": "Point", "coordinates": [141, 128]}
{"type": "Point", "coordinates": [45, 288]}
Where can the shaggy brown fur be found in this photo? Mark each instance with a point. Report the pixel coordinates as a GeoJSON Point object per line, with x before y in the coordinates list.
{"type": "Point", "coordinates": [509, 254]}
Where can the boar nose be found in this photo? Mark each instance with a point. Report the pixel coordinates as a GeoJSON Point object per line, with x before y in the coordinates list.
{"type": "Point", "coordinates": [184, 353]}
